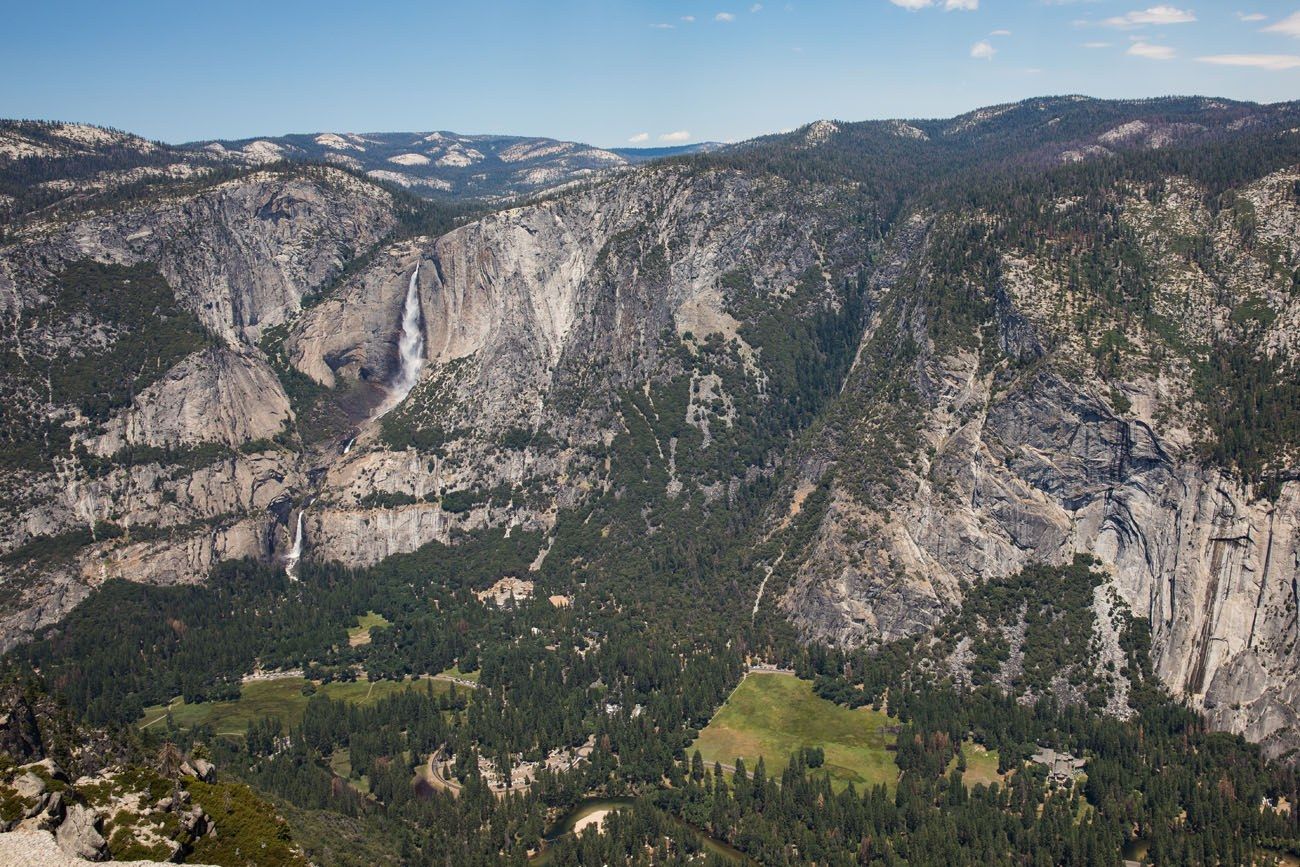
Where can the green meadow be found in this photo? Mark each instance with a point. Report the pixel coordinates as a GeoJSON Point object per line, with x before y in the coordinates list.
{"type": "Point", "coordinates": [282, 698]}
{"type": "Point", "coordinates": [360, 634]}
{"type": "Point", "coordinates": [981, 765]}
{"type": "Point", "coordinates": [773, 715]}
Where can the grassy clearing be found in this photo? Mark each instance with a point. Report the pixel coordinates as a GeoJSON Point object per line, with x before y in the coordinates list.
{"type": "Point", "coordinates": [341, 764]}
{"type": "Point", "coordinates": [456, 673]}
{"type": "Point", "coordinates": [281, 698]}
{"type": "Point", "coordinates": [360, 634]}
{"type": "Point", "coordinates": [981, 765]}
{"type": "Point", "coordinates": [773, 715]}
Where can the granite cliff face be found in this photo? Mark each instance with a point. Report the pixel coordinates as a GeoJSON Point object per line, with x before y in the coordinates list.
{"type": "Point", "coordinates": [1054, 450]}
{"type": "Point", "coordinates": [1017, 385]}
{"type": "Point", "coordinates": [535, 320]}
{"type": "Point", "coordinates": [239, 254]}
{"type": "Point", "coordinates": [186, 472]}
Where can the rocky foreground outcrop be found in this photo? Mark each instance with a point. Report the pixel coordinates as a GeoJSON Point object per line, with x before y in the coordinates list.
{"type": "Point", "coordinates": [72, 794]}
{"type": "Point", "coordinates": [41, 849]}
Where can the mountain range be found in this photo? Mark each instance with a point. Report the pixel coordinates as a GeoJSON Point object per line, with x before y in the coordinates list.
{"type": "Point", "coordinates": [821, 386]}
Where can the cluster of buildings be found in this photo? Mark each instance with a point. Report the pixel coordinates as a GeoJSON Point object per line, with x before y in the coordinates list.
{"type": "Point", "coordinates": [522, 774]}
{"type": "Point", "coordinates": [1061, 767]}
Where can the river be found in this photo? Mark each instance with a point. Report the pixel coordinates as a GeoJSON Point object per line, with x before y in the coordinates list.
{"type": "Point", "coordinates": [598, 808]}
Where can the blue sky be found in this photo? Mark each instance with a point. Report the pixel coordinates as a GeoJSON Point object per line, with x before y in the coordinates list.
{"type": "Point", "coordinates": [614, 72]}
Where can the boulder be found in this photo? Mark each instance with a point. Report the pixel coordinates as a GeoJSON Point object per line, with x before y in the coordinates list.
{"type": "Point", "coordinates": [29, 785]}
{"type": "Point", "coordinates": [200, 769]}
{"type": "Point", "coordinates": [79, 834]}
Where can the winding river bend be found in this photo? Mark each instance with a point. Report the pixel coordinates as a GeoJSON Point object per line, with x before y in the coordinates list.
{"type": "Point", "coordinates": [589, 807]}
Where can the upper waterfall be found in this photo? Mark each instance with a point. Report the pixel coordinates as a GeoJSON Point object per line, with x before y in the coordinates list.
{"type": "Point", "coordinates": [410, 347]}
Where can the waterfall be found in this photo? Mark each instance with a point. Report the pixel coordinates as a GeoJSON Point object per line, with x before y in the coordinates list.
{"type": "Point", "coordinates": [295, 553]}
{"type": "Point", "coordinates": [410, 348]}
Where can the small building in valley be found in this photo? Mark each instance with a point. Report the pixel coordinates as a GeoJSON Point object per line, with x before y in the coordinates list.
{"type": "Point", "coordinates": [1061, 767]}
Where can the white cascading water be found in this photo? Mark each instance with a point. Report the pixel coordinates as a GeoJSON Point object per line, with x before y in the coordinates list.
{"type": "Point", "coordinates": [295, 553]}
{"type": "Point", "coordinates": [410, 348]}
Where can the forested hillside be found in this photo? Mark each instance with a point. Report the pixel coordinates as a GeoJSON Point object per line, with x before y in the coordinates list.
{"type": "Point", "coordinates": [987, 424]}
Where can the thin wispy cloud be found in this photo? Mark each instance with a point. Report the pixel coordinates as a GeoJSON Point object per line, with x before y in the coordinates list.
{"type": "Point", "coordinates": [1151, 52]}
{"type": "Point", "coordinates": [725, 17]}
{"type": "Point", "coordinates": [1288, 26]}
{"type": "Point", "coordinates": [983, 50]}
{"type": "Point", "coordinates": [639, 137]}
{"type": "Point", "coordinates": [1251, 16]}
{"type": "Point", "coordinates": [1097, 44]}
{"type": "Point", "coordinates": [1276, 62]}
{"type": "Point", "coordinates": [662, 26]}
{"type": "Point", "coordinates": [948, 5]}
{"type": "Point", "coordinates": [757, 7]}
{"type": "Point", "coordinates": [689, 19]}
{"type": "Point", "coordinates": [1000, 33]}
{"type": "Point", "coordinates": [680, 135]}
{"type": "Point", "coordinates": [1158, 15]}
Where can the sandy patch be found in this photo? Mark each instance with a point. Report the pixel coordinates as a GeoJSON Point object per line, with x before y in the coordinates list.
{"type": "Point", "coordinates": [596, 818]}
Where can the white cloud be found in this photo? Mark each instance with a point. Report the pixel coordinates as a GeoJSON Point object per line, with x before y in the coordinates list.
{"type": "Point", "coordinates": [982, 50]}
{"type": "Point", "coordinates": [724, 16]}
{"type": "Point", "coordinates": [757, 7]}
{"type": "Point", "coordinates": [1289, 26]}
{"type": "Point", "coordinates": [1151, 52]}
{"type": "Point", "coordinates": [948, 5]}
{"type": "Point", "coordinates": [1000, 33]}
{"type": "Point", "coordinates": [1259, 61]}
{"type": "Point", "coordinates": [1251, 16]}
{"type": "Point", "coordinates": [662, 26]}
{"type": "Point", "coordinates": [639, 137]}
{"type": "Point", "coordinates": [1155, 15]}
{"type": "Point", "coordinates": [1096, 45]}
{"type": "Point", "coordinates": [689, 19]}
{"type": "Point", "coordinates": [680, 135]}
